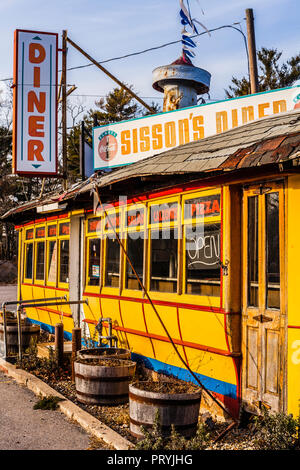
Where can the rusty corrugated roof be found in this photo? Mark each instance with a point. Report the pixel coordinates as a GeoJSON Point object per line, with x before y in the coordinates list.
{"type": "Point", "coordinates": [269, 140]}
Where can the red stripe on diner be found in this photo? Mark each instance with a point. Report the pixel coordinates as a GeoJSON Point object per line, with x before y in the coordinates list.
{"type": "Point", "coordinates": [45, 287]}
{"type": "Point", "coordinates": [201, 347]}
{"type": "Point", "coordinates": [162, 302]}
{"type": "Point", "coordinates": [294, 326]}
{"type": "Point", "coordinates": [45, 219]}
{"type": "Point", "coordinates": [69, 315]}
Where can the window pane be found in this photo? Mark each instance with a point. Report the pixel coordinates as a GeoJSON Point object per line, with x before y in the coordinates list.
{"type": "Point", "coordinates": [164, 247]}
{"type": "Point", "coordinates": [112, 273]}
{"type": "Point", "coordinates": [64, 261]}
{"type": "Point", "coordinates": [135, 250]}
{"type": "Point", "coordinates": [40, 261]}
{"type": "Point", "coordinates": [29, 260]}
{"type": "Point", "coordinates": [94, 262]}
{"type": "Point", "coordinates": [203, 259]}
{"type": "Point", "coordinates": [253, 251]}
{"type": "Point", "coordinates": [52, 231]}
{"type": "Point", "coordinates": [272, 249]}
{"type": "Point", "coordinates": [52, 260]}
{"type": "Point", "coordinates": [64, 229]}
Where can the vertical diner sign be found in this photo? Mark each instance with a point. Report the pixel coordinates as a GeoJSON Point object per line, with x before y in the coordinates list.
{"type": "Point", "coordinates": [35, 103]}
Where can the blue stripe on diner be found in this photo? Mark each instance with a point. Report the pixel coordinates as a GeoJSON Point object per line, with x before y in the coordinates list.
{"type": "Point", "coordinates": [50, 328]}
{"type": "Point", "coordinates": [214, 385]}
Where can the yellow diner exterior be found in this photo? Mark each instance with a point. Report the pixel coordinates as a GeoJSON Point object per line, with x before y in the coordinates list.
{"type": "Point", "coordinates": [219, 257]}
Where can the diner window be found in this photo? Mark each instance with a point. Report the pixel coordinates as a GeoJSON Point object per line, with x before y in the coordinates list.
{"type": "Point", "coordinates": [202, 259]}
{"type": "Point", "coordinates": [29, 260]}
{"type": "Point", "coordinates": [135, 250]}
{"type": "Point", "coordinates": [253, 257]}
{"type": "Point", "coordinates": [94, 262]}
{"type": "Point", "coordinates": [273, 250]}
{"type": "Point", "coordinates": [112, 271]}
{"type": "Point", "coordinates": [64, 261]}
{"type": "Point", "coordinates": [164, 260]}
{"type": "Point", "coordinates": [52, 261]}
{"type": "Point", "coordinates": [40, 261]}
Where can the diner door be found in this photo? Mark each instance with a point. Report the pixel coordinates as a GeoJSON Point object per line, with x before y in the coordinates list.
{"type": "Point", "coordinates": [263, 315]}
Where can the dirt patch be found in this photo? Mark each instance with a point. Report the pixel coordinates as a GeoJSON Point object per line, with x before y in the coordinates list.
{"type": "Point", "coordinates": [102, 352]}
{"type": "Point", "coordinates": [113, 362]}
{"type": "Point", "coordinates": [171, 387]}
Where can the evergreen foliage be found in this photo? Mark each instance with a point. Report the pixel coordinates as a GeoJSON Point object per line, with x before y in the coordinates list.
{"type": "Point", "coordinates": [272, 75]}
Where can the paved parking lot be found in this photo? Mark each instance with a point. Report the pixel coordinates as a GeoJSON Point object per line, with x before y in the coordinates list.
{"type": "Point", "coordinates": [23, 428]}
{"type": "Point", "coordinates": [8, 293]}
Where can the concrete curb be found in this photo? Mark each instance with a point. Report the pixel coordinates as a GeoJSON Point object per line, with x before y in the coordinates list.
{"type": "Point", "coordinates": [90, 424]}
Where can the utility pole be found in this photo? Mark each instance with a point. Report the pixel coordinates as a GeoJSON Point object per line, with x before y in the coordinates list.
{"type": "Point", "coordinates": [103, 69]}
{"type": "Point", "coordinates": [81, 151]}
{"type": "Point", "coordinates": [64, 108]}
{"type": "Point", "coordinates": [252, 51]}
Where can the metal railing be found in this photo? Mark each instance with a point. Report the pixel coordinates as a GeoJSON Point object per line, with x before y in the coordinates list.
{"type": "Point", "coordinates": [32, 303]}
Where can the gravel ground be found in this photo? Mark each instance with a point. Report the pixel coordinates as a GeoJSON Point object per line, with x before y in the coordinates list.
{"type": "Point", "coordinates": [117, 418]}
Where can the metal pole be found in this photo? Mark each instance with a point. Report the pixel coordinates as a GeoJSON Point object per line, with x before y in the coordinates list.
{"type": "Point", "coordinates": [24, 302]}
{"type": "Point", "coordinates": [19, 310]}
{"type": "Point", "coordinates": [45, 304]}
{"type": "Point", "coordinates": [59, 343]}
{"type": "Point", "coordinates": [110, 333]}
{"type": "Point", "coordinates": [252, 51]}
{"type": "Point", "coordinates": [76, 346]}
{"type": "Point", "coordinates": [122, 85]}
{"type": "Point", "coordinates": [82, 153]}
{"type": "Point", "coordinates": [64, 108]}
{"type": "Point", "coordinates": [5, 332]}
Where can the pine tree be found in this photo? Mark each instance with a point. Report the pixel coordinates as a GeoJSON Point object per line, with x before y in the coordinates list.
{"type": "Point", "coordinates": [272, 74]}
{"type": "Point", "coordinates": [117, 106]}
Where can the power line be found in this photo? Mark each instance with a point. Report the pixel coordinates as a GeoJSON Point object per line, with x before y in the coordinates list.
{"type": "Point", "coordinates": [158, 47]}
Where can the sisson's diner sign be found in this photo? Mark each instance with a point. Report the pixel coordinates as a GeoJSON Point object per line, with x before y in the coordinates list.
{"type": "Point", "coordinates": [126, 142]}
{"type": "Point", "coordinates": [35, 103]}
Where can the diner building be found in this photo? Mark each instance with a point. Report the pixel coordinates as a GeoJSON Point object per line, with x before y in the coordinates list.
{"type": "Point", "coordinates": [211, 228]}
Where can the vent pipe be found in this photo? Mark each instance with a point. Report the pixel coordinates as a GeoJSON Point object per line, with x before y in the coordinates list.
{"type": "Point", "coordinates": [181, 82]}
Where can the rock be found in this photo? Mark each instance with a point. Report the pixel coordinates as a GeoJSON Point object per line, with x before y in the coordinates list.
{"type": "Point", "coordinates": [8, 272]}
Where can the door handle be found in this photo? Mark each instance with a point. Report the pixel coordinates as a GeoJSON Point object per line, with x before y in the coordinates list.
{"type": "Point", "coordinates": [262, 318]}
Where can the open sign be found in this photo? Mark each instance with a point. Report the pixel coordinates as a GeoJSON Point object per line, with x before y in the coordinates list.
{"type": "Point", "coordinates": [203, 249]}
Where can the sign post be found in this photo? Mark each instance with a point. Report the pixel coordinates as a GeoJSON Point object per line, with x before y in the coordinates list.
{"type": "Point", "coordinates": [35, 103]}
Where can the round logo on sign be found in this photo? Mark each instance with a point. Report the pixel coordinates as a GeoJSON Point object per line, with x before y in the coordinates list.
{"type": "Point", "coordinates": [297, 101]}
{"type": "Point", "coordinates": [108, 146]}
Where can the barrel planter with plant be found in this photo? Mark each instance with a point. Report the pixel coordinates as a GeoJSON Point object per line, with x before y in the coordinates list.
{"type": "Point", "coordinates": [104, 353]}
{"type": "Point", "coordinates": [29, 332]}
{"type": "Point", "coordinates": [173, 403]}
{"type": "Point", "coordinates": [103, 381]}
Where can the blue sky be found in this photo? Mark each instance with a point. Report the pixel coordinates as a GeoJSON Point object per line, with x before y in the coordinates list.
{"type": "Point", "coordinates": [107, 29]}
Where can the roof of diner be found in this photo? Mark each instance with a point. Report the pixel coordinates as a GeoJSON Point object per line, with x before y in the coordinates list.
{"type": "Point", "coordinates": [266, 141]}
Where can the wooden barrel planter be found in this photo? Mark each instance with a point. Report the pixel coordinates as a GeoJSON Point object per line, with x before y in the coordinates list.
{"type": "Point", "coordinates": [180, 409]}
{"type": "Point", "coordinates": [28, 332]}
{"type": "Point", "coordinates": [104, 353]}
{"type": "Point", "coordinates": [103, 381]}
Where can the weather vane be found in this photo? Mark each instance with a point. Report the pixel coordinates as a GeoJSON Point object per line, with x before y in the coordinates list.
{"type": "Point", "coordinates": [186, 20]}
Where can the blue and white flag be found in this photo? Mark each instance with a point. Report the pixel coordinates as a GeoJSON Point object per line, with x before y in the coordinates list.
{"type": "Point", "coordinates": [187, 20]}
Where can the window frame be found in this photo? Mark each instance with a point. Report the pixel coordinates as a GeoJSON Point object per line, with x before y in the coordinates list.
{"type": "Point", "coordinates": [108, 233]}
{"type": "Point", "coordinates": [28, 242]}
{"type": "Point", "coordinates": [38, 240]}
{"type": "Point", "coordinates": [60, 238]}
{"type": "Point", "coordinates": [203, 299]}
